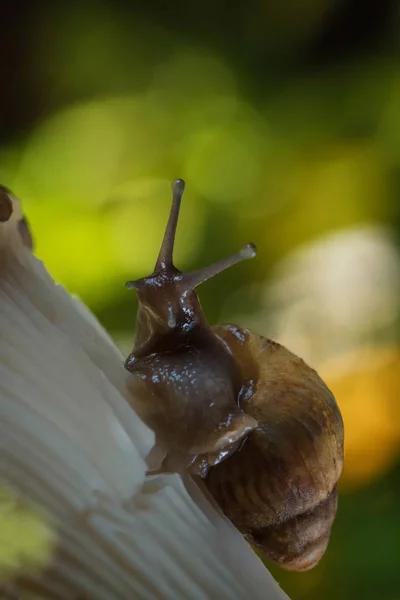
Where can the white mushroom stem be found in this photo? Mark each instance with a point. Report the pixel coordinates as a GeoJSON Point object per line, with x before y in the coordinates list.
{"type": "Point", "coordinates": [72, 445]}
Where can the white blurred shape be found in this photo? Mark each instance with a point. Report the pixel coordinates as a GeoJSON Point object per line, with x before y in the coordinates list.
{"type": "Point", "coordinates": [333, 294]}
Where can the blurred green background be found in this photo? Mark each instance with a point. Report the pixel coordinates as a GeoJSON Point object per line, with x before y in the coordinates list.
{"type": "Point", "coordinates": [284, 120]}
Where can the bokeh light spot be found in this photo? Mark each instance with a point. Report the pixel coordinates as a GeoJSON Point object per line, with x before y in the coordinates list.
{"type": "Point", "coordinates": [366, 385]}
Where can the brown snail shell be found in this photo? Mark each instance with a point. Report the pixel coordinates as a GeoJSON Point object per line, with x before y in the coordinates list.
{"type": "Point", "coordinates": [280, 487]}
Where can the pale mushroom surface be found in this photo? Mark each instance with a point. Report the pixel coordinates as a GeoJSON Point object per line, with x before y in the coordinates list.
{"type": "Point", "coordinates": [72, 445]}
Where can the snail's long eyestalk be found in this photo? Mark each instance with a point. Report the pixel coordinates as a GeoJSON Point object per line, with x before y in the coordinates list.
{"type": "Point", "coordinates": [196, 277]}
{"type": "Point", "coordinates": [164, 259]}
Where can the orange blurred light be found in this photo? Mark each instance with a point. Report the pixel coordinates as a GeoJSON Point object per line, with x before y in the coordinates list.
{"type": "Point", "coordinates": [366, 385]}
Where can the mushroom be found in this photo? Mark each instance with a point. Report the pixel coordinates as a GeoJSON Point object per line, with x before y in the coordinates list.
{"type": "Point", "coordinates": [75, 449]}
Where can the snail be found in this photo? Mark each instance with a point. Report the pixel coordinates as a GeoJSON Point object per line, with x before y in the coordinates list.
{"type": "Point", "coordinates": [237, 411]}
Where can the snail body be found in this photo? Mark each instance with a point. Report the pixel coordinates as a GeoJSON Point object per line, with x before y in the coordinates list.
{"type": "Point", "coordinates": [243, 413]}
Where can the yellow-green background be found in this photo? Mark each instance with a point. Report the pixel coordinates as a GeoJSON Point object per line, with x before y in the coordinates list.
{"type": "Point", "coordinates": [284, 119]}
